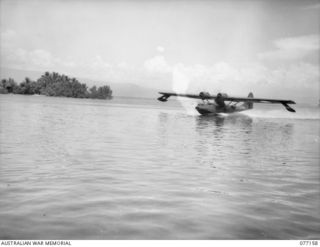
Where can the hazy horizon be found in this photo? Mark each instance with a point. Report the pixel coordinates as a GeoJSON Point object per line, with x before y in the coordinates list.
{"type": "Point", "coordinates": [268, 47]}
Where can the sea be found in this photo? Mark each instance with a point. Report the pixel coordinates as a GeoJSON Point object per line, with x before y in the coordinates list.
{"type": "Point", "coordinates": [131, 168]}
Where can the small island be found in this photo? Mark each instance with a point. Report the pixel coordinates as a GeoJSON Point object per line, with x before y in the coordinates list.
{"type": "Point", "coordinates": [54, 84]}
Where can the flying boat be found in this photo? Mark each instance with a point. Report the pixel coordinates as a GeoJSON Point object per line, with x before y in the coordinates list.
{"type": "Point", "coordinates": [222, 103]}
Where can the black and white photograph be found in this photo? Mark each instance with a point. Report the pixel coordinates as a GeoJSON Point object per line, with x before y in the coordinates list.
{"type": "Point", "coordinates": [159, 120]}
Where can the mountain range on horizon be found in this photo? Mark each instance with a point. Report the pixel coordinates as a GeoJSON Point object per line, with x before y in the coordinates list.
{"type": "Point", "coordinates": [118, 89]}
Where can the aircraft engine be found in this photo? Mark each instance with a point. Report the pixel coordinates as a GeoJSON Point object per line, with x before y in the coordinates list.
{"type": "Point", "coordinates": [204, 95]}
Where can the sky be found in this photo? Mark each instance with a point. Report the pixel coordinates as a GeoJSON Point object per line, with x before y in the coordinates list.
{"type": "Point", "coordinates": [268, 47]}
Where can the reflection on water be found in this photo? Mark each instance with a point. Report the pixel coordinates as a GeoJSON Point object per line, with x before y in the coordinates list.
{"type": "Point", "coordinates": [236, 119]}
{"type": "Point", "coordinates": [217, 125]}
{"type": "Point", "coordinates": [86, 169]}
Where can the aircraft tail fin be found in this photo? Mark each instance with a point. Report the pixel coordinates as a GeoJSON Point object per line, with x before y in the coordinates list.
{"type": "Point", "coordinates": [249, 105]}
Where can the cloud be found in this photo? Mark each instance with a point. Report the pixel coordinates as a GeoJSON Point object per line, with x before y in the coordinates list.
{"type": "Point", "coordinates": [288, 80]}
{"type": "Point", "coordinates": [160, 49]}
{"type": "Point", "coordinates": [241, 78]}
{"type": "Point", "coordinates": [8, 35]}
{"type": "Point", "coordinates": [98, 63]}
{"type": "Point", "coordinates": [124, 65]}
{"type": "Point", "coordinates": [292, 48]}
{"type": "Point", "coordinates": [8, 38]}
{"type": "Point", "coordinates": [14, 56]}
{"type": "Point", "coordinates": [30, 59]}
{"type": "Point", "coordinates": [298, 76]}
{"type": "Point", "coordinates": [36, 60]}
{"type": "Point", "coordinates": [41, 58]}
{"type": "Point", "coordinates": [157, 64]}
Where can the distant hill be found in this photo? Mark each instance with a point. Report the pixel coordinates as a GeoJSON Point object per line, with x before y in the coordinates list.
{"type": "Point", "coordinates": [124, 89]}
{"type": "Point", "coordinates": [118, 89]}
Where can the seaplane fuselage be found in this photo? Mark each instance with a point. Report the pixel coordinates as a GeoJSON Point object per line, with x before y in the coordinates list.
{"type": "Point", "coordinates": [211, 108]}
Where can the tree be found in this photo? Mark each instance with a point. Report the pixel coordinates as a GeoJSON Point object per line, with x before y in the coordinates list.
{"type": "Point", "coordinates": [25, 86]}
{"type": "Point", "coordinates": [54, 84]}
{"type": "Point", "coordinates": [93, 92]}
{"type": "Point", "coordinates": [8, 86]}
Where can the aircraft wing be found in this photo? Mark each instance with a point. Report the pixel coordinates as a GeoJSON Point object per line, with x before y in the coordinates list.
{"type": "Point", "coordinates": [259, 100]}
{"type": "Point", "coordinates": [165, 96]}
{"type": "Point", "coordinates": [203, 96]}
{"type": "Point", "coordinates": [262, 100]}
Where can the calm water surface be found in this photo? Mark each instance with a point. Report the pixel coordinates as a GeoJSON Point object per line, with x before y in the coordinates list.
{"type": "Point", "coordinates": [142, 169]}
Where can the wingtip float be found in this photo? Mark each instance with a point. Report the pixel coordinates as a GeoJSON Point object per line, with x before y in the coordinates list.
{"type": "Point", "coordinates": [222, 103]}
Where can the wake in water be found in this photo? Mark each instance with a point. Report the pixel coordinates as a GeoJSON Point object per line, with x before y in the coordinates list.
{"type": "Point", "coordinates": [301, 113]}
{"type": "Point", "coordinates": [259, 111]}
